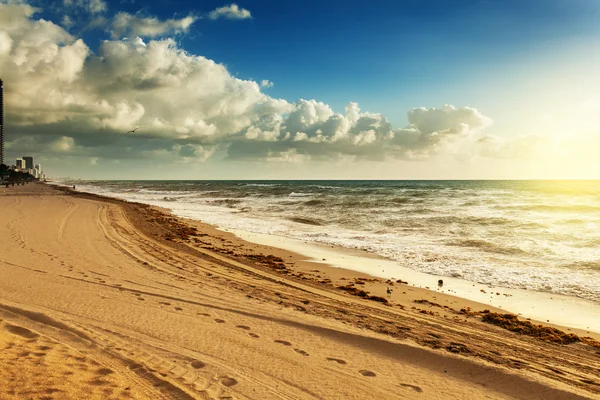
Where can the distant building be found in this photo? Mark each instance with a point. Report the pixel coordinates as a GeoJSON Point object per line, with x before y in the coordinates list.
{"type": "Point", "coordinates": [37, 171]}
{"type": "Point", "coordinates": [20, 163]}
{"type": "Point", "coordinates": [28, 162]}
{"type": "Point", "coordinates": [1, 122]}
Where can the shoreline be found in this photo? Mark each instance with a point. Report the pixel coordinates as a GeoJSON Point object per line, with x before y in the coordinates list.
{"type": "Point", "coordinates": [560, 311]}
{"type": "Point", "coordinates": [157, 303]}
{"type": "Point", "coordinates": [563, 312]}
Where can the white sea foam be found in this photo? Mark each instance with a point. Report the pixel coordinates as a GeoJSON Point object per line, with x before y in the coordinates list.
{"type": "Point", "coordinates": [294, 194]}
{"type": "Point", "coordinates": [500, 237]}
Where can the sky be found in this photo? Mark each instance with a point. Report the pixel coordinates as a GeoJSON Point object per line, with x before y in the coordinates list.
{"type": "Point", "coordinates": [328, 89]}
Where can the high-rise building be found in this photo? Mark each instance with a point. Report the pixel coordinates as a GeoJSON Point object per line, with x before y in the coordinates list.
{"type": "Point", "coordinates": [20, 163]}
{"type": "Point", "coordinates": [28, 162]}
{"type": "Point", "coordinates": [1, 122]}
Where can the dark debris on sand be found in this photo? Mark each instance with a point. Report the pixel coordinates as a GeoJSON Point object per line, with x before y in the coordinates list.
{"type": "Point", "coordinates": [362, 293]}
{"type": "Point", "coordinates": [547, 333]}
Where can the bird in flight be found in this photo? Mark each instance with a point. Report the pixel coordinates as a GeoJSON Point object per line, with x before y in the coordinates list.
{"type": "Point", "coordinates": [132, 131]}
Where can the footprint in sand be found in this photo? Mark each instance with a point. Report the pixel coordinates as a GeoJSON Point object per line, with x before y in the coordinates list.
{"type": "Point", "coordinates": [203, 314]}
{"type": "Point", "coordinates": [98, 382]}
{"type": "Point", "coordinates": [254, 335]}
{"type": "Point", "coordinates": [337, 360]}
{"type": "Point", "coordinates": [197, 364]}
{"type": "Point", "coordinates": [105, 371]}
{"type": "Point", "coordinates": [178, 308]}
{"type": "Point", "coordinates": [283, 342]}
{"type": "Point", "coordinates": [365, 372]}
{"type": "Point", "coordinates": [244, 327]}
{"type": "Point", "coordinates": [20, 331]}
{"type": "Point", "coordinates": [227, 381]}
{"type": "Point", "coordinates": [164, 303]}
{"type": "Point", "coordinates": [219, 321]}
{"type": "Point", "coordinates": [413, 387]}
{"type": "Point", "coordinates": [301, 352]}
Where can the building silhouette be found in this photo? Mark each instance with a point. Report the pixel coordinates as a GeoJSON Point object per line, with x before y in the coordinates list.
{"type": "Point", "coordinates": [1, 122]}
{"type": "Point", "coordinates": [28, 162]}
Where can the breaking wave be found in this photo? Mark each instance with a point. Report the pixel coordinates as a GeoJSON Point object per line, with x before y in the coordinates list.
{"type": "Point", "coordinates": [306, 221]}
{"type": "Point", "coordinates": [531, 235]}
{"type": "Point", "coordinates": [486, 246]}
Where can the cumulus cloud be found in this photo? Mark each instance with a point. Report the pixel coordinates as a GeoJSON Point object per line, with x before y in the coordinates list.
{"type": "Point", "coordinates": [57, 88]}
{"type": "Point", "coordinates": [314, 130]}
{"type": "Point", "coordinates": [15, 15]}
{"type": "Point", "coordinates": [435, 126]}
{"type": "Point", "coordinates": [232, 11]}
{"type": "Point", "coordinates": [125, 24]}
{"type": "Point", "coordinates": [66, 99]}
{"type": "Point", "coordinates": [190, 153]}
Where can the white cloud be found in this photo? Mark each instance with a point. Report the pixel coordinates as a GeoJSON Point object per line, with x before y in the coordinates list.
{"type": "Point", "coordinates": [190, 153]}
{"type": "Point", "coordinates": [265, 83]}
{"type": "Point", "coordinates": [433, 127]}
{"type": "Point", "coordinates": [57, 87]}
{"type": "Point", "coordinates": [67, 22]}
{"type": "Point", "coordinates": [232, 11]}
{"type": "Point", "coordinates": [312, 129]}
{"type": "Point", "coordinates": [6, 43]}
{"type": "Point", "coordinates": [67, 99]}
{"type": "Point", "coordinates": [91, 6]}
{"type": "Point", "coordinates": [125, 24]}
{"type": "Point", "coordinates": [63, 144]}
{"type": "Point", "coordinates": [447, 120]}
{"type": "Point", "coordinates": [15, 15]}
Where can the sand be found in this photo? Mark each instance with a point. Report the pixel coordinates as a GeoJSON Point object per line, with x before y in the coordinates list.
{"type": "Point", "coordinates": [579, 315]}
{"type": "Point", "coordinates": [103, 299]}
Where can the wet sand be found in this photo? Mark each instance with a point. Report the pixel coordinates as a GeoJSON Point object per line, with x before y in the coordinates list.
{"type": "Point", "coordinates": [118, 300]}
{"type": "Point", "coordinates": [568, 313]}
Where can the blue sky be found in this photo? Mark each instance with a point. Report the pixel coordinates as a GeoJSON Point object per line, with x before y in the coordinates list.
{"type": "Point", "coordinates": [518, 63]}
{"type": "Point", "coordinates": [387, 55]}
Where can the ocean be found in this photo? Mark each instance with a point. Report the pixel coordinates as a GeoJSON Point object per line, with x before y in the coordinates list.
{"type": "Point", "coordinates": [533, 235]}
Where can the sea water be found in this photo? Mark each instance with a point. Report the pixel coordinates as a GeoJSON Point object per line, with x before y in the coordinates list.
{"type": "Point", "coordinates": [532, 235]}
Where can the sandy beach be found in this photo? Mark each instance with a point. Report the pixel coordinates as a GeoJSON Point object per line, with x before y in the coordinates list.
{"type": "Point", "coordinates": [104, 299]}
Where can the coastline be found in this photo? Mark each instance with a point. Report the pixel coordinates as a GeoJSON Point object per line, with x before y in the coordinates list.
{"type": "Point", "coordinates": [162, 276]}
{"type": "Point", "coordinates": [560, 311]}
{"type": "Point", "coordinates": [563, 312]}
